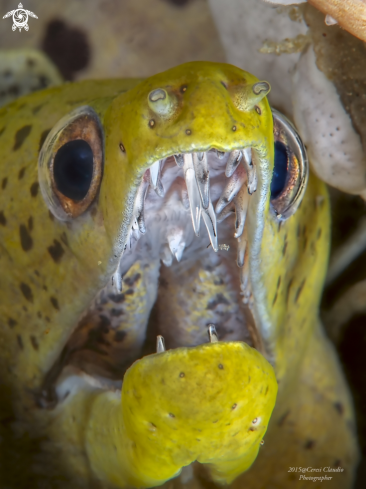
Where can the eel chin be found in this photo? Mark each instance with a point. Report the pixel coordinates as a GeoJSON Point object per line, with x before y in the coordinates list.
{"type": "Point", "coordinates": [166, 392]}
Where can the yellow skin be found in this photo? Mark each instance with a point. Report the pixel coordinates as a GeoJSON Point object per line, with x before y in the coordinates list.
{"type": "Point", "coordinates": [52, 270]}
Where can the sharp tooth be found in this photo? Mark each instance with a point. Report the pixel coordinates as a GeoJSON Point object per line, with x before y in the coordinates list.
{"type": "Point", "coordinates": [242, 245]}
{"type": "Point", "coordinates": [176, 242]}
{"type": "Point", "coordinates": [231, 189]}
{"type": "Point", "coordinates": [202, 176]}
{"type": "Point", "coordinates": [140, 201]}
{"type": "Point", "coordinates": [160, 344]}
{"type": "Point", "coordinates": [209, 218]}
{"type": "Point", "coordinates": [220, 154]}
{"type": "Point", "coordinates": [233, 162]}
{"type": "Point", "coordinates": [166, 256]}
{"type": "Point", "coordinates": [212, 334]}
{"type": "Point", "coordinates": [250, 169]}
{"type": "Point", "coordinates": [159, 188]}
{"type": "Point", "coordinates": [179, 159]}
{"type": "Point", "coordinates": [241, 205]}
{"type": "Point", "coordinates": [154, 174]}
{"type": "Point", "coordinates": [193, 192]}
{"type": "Point", "coordinates": [226, 212]}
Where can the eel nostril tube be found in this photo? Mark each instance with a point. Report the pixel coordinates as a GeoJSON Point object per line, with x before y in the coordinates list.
{"type": "Point", "coordinates": [161, 102]}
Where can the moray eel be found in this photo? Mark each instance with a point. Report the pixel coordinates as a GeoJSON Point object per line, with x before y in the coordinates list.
{"type": "Point", "coordinates": [137, 213]}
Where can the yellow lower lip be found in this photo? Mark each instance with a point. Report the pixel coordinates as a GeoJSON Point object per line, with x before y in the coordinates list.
{"type": "Point", "coordinates": [210, 403]}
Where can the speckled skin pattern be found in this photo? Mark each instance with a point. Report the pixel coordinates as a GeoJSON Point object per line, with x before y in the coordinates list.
{"type": "Point", "coordinates": [51, 270]}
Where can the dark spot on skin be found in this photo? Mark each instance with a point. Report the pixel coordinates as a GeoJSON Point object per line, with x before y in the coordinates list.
{"type": "Point", "coordinates": [188, 132]}
{"type": "Point", "coordinates": [26, 240]}
{"type": "Point", "coordinates": [36, 272]}
{"type": "Point", "coordinates": [21, 135]}
{"type": "Point", "coordinates": [283, 418]}
{"type": "Point", "coordinates": [122, 148]}
{"type": "Point", "coordinates": [34, 342]}
{"type": "Point", "coordinates": [182, 374]}
{"type": "Point", "coordinates": [56, 251]}
{"type": "Point", "coordinates": [151, 123]}
{"type": "Point", "coordinates": [309, 444]}
{"type": "Point", "coordinates": [30, 224]}
{"type": "Point", "coordinates": [319, 233]}
{"type": "Point", "coordinates": [171, 415]}
{"type": "Point", "coordinates": [21, 173]}
{"type": "Point", "coordinates": [339, 407]}
{"type": "Point", "coordinates": [26, 291]}
{"type": "Point", "coordinates": [54, 303]}
{"type": "Point", "coordinates": [34, 189]}
{"type": "Point", "coordinates": [67, 46]}
{"type": "Point", "coordinates": [117, 298]}
{"type": "Point", "coordinates": [266, 391]}
{"type": "Point", "coordinates": [2, 218]}
{"type": "Point", "coordinates": [42, 139]}
{"type": "Point", "coordinates": [279, 226]}
{"type": "Point", "coordinates": [284, 246]}
{"type": "Point", "coordinates": [183, 88]}
{"type": "Point", "coordinates": [252, 428]}
{"type": "Point", "coordinates": [130, 281]}
{"type": "Point", "coordinates": [274, 299]}
{"type": "Point", "coordinates": [258, 110]}
{"type": "Point", "coordinates": [20, 342]}
{"type": "Point", "coordinates": [278, 282]}
{"type": "Point", "coordinates": [234, 128]}
{"type": "Point", "coordinates": [116, 312]}
{"type": "Point", "coordinates": [12, 322]}
{"type": "Point", "coordinates": [288, 289]}
{"type": "Point", "coordinates": [104, 323]}
{"type": "Point", "coordinates": [4, 183]}
{"type": "Point", "coordinates": [37, 109]}
{"type": "Point", "coordinates": [119, 336]}
{"type": "Point", "coordinates": [234, 406]}
{"type": "Point", "coordinates": [219, 299]}
{"type": "Point", "coordinates": [299, 290]}
{"type": "Point", "coordinates": [221, 367]}
{"type": "Point", "coordinates": [305, 242]}
{"type": "Point", "coordinates": [39, 314]}
{"type": "Point", "coordinates": [45, 288]}
{"type": "Point", "coordinates": [129, 292]}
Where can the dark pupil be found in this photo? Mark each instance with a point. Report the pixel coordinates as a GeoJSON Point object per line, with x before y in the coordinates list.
{"type": "Point", "coordinates": [280, 169]}
{"type": "Point", "coordinates": [73, 169]}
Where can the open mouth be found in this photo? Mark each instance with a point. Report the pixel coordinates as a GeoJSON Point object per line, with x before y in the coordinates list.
{"type": "Point", "coordinates": [184, 269]}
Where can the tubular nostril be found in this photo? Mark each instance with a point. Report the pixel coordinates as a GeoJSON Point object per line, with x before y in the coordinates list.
{"type": "Point", "coordinates": [161, 102]}
{"type": "Point", "coordinates": [157, 95]}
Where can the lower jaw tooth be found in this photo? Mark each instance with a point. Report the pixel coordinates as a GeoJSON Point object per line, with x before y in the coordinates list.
{"type": "Point", "coordinates": [242, 244]}
{"type": "Point", "coordinates": [241, 206]}
{"type": "Point", "coordinates": [166, 256]}
{"type": "Point", "coordinates": [227, 211]}
{"type": "Point", "coordinates": [232, 187]}
{"type": "Point", "coordinates": [176, 242]}
{"type": "Point", "coordinates": [140, 201]}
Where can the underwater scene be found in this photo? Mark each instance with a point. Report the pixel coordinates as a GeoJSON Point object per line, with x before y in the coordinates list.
{"type": "Point", "coordinates": [182, 244]}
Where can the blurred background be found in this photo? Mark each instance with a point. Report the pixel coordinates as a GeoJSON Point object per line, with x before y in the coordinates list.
{"type": "Point", "coordinates": [278, 43]}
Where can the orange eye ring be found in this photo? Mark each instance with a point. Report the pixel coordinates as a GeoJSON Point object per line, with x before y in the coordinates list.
{"type": "Point", "coordinates": [72, 151]}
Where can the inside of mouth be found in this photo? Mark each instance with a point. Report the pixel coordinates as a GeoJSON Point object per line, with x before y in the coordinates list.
{"type": "Point", "coordinates": [172, 282]}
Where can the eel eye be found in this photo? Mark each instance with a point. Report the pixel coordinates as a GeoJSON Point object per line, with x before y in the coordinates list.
{"type": "Point", "coordinates": [291, 168]}
{"type": "Point", "coordinates": [70, 165]}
